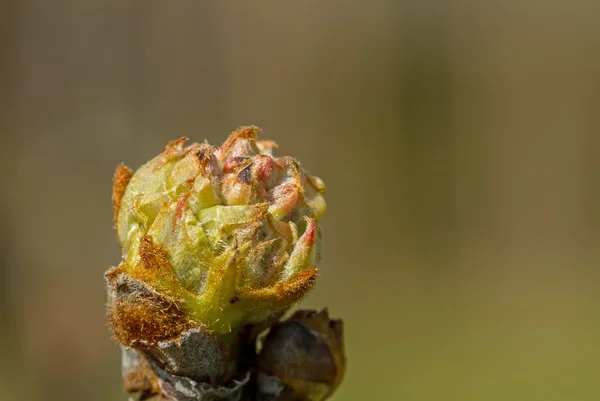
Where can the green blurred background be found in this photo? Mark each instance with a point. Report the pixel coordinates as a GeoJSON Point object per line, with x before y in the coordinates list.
{"type": "Point", "coordinates": [460, 143]}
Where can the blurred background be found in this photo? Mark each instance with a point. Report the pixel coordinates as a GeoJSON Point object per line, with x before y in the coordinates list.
{"type": "Point", "coordinates": [459, 142]}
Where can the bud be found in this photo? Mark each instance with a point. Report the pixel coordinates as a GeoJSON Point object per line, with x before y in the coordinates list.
{"type": "Point", "coordinates": [302, 358]}
{"type": "Point", "coordinates": [212, 239]}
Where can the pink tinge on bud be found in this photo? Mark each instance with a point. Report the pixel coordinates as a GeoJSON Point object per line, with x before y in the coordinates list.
{"type": "Point", "coordinates": [305, 252]}
{"type": "Point", "coordinates": [283, 199]}
{"type": "Point", "coordinates": [263, 168]}
{"type": "Point", "coordinates": [179, 210]}
{"type": "Point", "coordinates": [310, 233]}
{"type": "Point", "coordinates": [279, 162]}
{"type": "Point", "coordinates": [262, 174]}
{"type": "Point", "coordinates": [307, 240]}
{"type": "Point", "coordinates": [233, 164]}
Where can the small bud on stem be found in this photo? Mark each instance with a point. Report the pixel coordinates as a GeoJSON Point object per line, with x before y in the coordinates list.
{"type": "Point", "coordinates": [217, 243]}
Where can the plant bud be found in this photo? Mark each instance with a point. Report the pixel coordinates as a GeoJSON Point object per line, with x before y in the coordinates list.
{"type": "Point", "coordinates": [212, 239]}
{"type": "Point", "coordinates": [302, 358]}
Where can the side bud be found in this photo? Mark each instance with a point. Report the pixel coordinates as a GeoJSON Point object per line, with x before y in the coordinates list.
{"type": "Point", "coordinates": [302, 358]}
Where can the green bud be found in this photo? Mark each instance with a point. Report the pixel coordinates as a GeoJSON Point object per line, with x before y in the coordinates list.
{"type": "Point", "coordinates": [211, 237]}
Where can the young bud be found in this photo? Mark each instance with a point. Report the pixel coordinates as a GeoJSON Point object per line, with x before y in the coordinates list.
{"type": "Point", "coordinates": [212, 239]}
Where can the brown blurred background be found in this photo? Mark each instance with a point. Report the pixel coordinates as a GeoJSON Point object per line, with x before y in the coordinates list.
{"type": "Point", "coordinates": [459, 142]}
